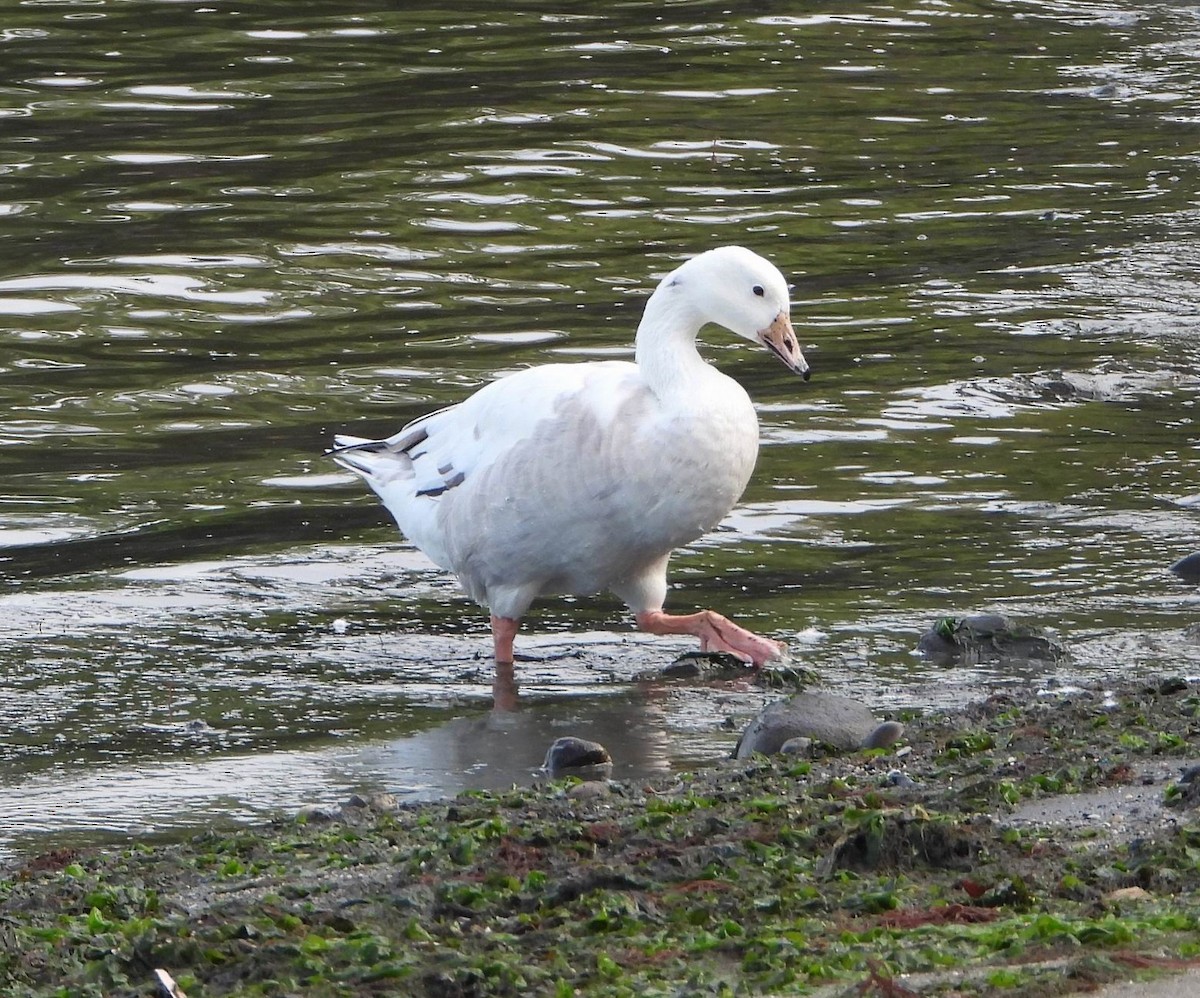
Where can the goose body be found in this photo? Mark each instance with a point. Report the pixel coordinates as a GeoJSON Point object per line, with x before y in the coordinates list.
{"type": "Point", "coordinates": [578, 478]}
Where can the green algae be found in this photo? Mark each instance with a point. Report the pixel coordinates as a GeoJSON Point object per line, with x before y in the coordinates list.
{"type": "Point", "coordinates": [763, 876]}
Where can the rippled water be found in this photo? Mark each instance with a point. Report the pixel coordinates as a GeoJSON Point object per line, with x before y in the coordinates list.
{"type": "Point", "coordinates": [229, 233]}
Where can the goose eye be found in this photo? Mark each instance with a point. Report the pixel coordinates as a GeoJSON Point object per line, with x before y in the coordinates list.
{"type": "Point", "coordinates": [758, 290]}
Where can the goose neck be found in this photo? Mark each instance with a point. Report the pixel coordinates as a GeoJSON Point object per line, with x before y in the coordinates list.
{"type": "Point", "coordinates": [666, 344]}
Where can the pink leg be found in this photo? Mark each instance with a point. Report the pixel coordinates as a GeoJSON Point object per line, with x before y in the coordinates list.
{"type": "Point", "coordinates": [504, 684]}
{"type": "Point", "coordinates": [716, 633]}
{"type": "Point", "coordinates": [504, 630]}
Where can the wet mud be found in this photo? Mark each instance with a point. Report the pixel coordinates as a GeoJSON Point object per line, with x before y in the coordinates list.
{"type": "Point", "coordinates": [1029, 844]}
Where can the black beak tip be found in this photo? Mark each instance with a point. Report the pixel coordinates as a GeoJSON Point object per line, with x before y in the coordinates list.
{"type": "Point", "coordinates": [807, 373]}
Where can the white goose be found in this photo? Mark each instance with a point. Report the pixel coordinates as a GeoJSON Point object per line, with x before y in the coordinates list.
{"type": "Point", "coordinates": [577, 478]}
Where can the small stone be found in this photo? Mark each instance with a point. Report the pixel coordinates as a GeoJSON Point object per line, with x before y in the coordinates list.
{"type": "Point", "coordinates": [338, 922]}
{"type": "Point", "coordinates": [1128, 894]}
{"type": "Point", "coordinates": [796, 746]}
{"type": "Point", "coordinates": [705, 665]}
{"type": "Point", "coordinates": [886, 734]}
{"type": "Point", "coordinates": [377, 802]}
{"type": "Point", "coordinates": [589, 790]}
{"type": "Point", "coordinates": [313, 813]}
{"type": "Point", "coordinates": [570, 756]}
{"type": "Point", "coordinates": [1186, 794]}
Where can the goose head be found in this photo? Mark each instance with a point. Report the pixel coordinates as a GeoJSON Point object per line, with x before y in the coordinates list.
{"type": "Point", "coordinates": [736, 288]}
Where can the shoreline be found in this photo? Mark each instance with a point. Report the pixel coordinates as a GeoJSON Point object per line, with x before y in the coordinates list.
{"type": "Point", "coordinates": [1030, 845]}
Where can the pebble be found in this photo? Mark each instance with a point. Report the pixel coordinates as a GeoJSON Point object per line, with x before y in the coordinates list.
{"type": "Point", "coordinates": [316, 813]}
{"type": "Point", "coordinates": [796, 746]}
{"type": "Point", "coordinates": [1128, 894]}
{"type": "Point", "coordinates": [589, 790]}
{"type": "Point", "coordinates": [379, 802]}
{"type": "Point", "coordinates": [571, 756]}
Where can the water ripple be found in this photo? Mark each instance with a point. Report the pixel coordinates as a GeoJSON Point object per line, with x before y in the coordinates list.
{"type": "Point", "coordinates": [171, 286]}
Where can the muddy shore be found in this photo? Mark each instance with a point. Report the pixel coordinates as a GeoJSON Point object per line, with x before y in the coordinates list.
{"type": "Point", "coordinates": [1037, 843]}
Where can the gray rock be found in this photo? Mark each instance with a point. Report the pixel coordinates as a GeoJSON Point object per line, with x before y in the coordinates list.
{"type": "Point", "coordinates": [315, 813]}
{"type": "Point", "coordinates": [377, 802]}
{"type": "Point", "coordinates": [796, 746]}
{"type": "Point", "coordinates": [987, 637]}
{"type": "Point", "coordinates": [589, 790]}
{"type": "Point", "coordinates": [836, 721]}
{"type": "Point", "coordinates": [1188, 568]}
{"type": "Point", "coordinates": [704, 665]}
{"type": "Point", "coordinates": [572, 756]}
{"type": "Point", "coordinates": [715, 667]}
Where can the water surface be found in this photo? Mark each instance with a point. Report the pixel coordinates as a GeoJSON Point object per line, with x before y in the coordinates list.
{"type": "Point", "coordinates": [230, 233]}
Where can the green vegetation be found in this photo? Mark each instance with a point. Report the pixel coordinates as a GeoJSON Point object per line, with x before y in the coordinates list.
{"type": "Point", "coordinates": [770, 876]}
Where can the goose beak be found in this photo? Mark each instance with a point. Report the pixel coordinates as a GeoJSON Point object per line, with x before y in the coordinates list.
{"type": "Point", "coordinates": [780, 339]}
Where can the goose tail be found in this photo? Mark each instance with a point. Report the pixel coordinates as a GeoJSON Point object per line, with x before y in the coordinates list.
{"type": "Point", "coordinates": [374, 460]}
